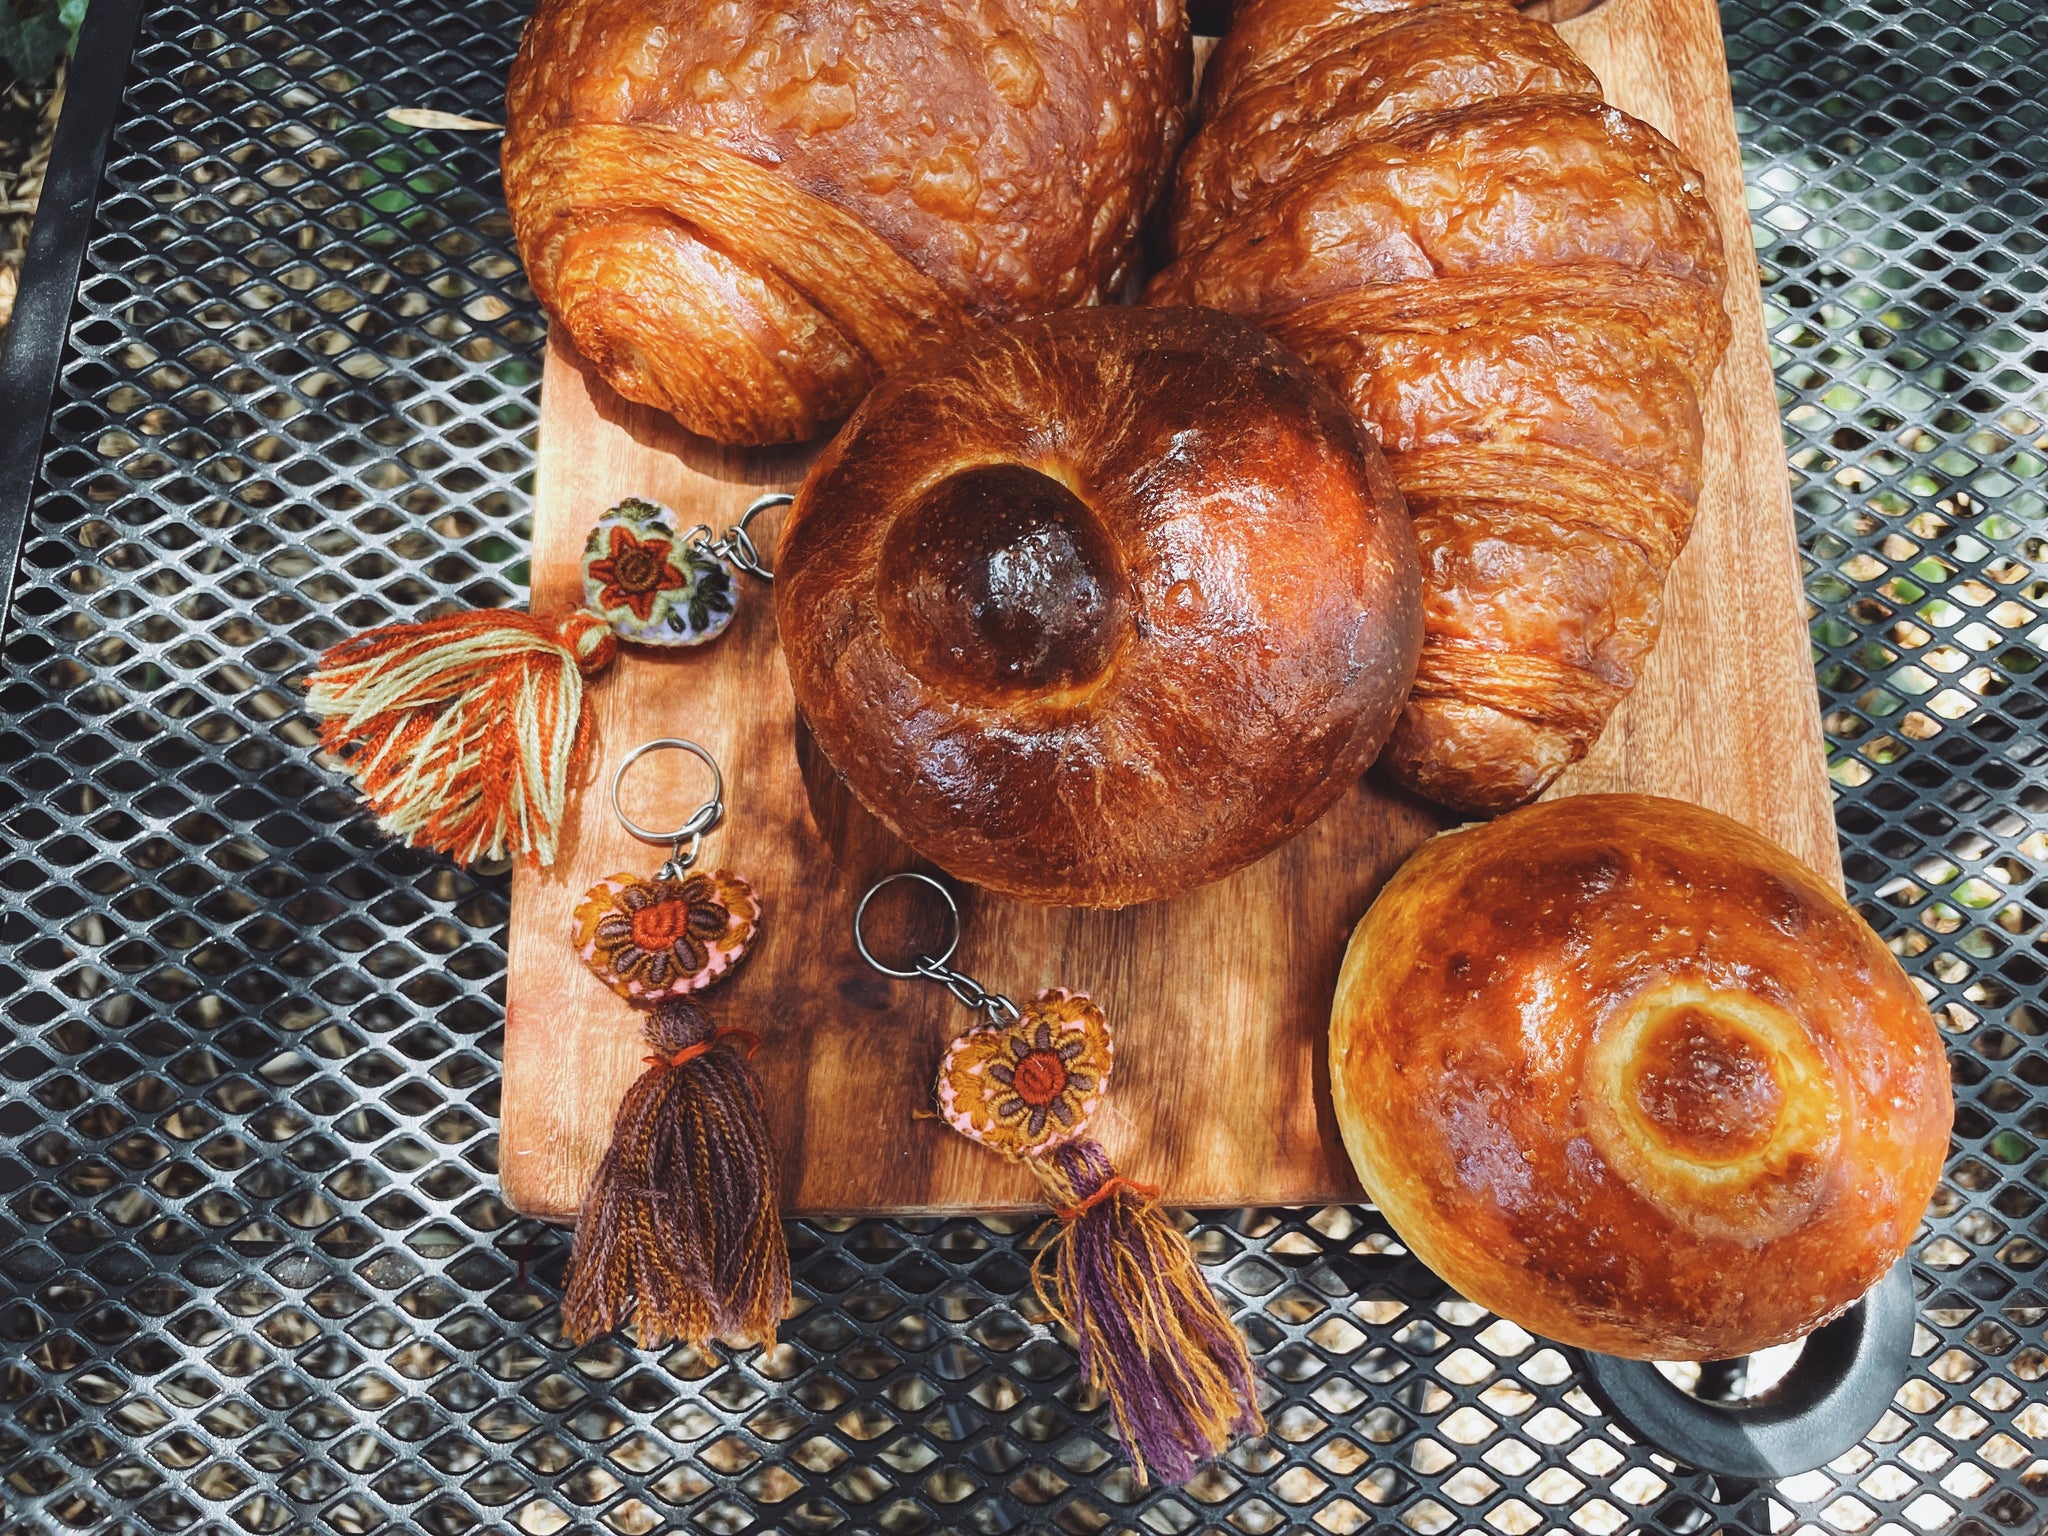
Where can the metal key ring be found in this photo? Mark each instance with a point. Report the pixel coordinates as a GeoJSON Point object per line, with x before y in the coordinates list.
{"type": "Point", "coordinates": [702, 820]}
{"type": "Point", "coordinates": [747, 556]}
{"type": "Point", "coordinates": [922, 967]}
{"type": "Point", "coordinates": [736, 545]}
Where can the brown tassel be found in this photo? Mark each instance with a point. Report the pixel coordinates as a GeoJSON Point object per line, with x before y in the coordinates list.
{"type": "Point", "coordinates": [681, 1232]}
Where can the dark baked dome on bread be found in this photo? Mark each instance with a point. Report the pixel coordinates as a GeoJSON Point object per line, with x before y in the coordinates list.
{"type": "Point", "coordinates": [1097, 608]}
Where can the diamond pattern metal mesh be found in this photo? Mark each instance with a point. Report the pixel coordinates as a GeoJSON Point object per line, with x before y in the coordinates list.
{"type": "Point", "coordinates": [253, 1275]}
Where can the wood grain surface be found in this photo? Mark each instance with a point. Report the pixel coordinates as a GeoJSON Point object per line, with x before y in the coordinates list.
{"type": "Point", "coordinates": [1219, 999]}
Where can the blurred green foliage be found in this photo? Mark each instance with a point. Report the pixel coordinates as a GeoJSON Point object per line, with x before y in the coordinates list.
{"type": "Point", "coordinates": [36, 34]}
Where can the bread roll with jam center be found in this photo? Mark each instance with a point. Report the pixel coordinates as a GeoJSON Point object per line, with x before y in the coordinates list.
{"type": "Point", "coordinates": [1096, 608]}
{"type": "Point", "coordinates": [1619, 1069]}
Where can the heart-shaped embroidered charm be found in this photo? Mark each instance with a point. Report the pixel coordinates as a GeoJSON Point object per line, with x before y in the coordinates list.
{"type": "Point", "coordinates": [1023, 1087]}
{"type": "Point", "coordinates": [654, 939]}
{"type": "Point", "coordinates": [651, 582]}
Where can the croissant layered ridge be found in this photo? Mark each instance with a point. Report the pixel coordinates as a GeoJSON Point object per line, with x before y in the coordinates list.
{"type": "Point", "coordinates": [748, 215]}
{"type": "Point", "coordinates": [1517, 290]}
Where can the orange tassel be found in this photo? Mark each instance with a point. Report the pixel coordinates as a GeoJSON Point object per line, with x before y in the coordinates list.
{"type": "Point", "coordinates": [464, 733]}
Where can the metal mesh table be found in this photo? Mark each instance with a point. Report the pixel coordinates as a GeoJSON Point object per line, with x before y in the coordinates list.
{"type": "Point", "coordinates": [253, 1274]}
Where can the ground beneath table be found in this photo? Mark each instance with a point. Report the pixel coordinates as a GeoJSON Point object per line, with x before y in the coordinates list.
{"type": "Point", "coordinates": [28, 116]}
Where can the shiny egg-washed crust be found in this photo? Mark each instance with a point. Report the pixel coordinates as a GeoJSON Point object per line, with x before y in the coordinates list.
{"type": "Point", "coordinates": [1357, 82]}
{"type": "Point", "coordinates": [745, 215]}
{"type": "Point", "coordinates": [1222, 630]}
{"type": "Point", "coordinates": [1517, 289]}
{"type": "Point", "coordinates": [1620, 1069]}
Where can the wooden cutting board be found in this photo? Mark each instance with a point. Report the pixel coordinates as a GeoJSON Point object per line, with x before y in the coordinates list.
{"type": "Point", "coordinates": [1220, 998]}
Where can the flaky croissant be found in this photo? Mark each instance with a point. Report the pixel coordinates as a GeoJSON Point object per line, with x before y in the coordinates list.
{"type": "Point", "coordinates": [747, 214]}
{"type": "Point", "coordinates": [1517, 289]}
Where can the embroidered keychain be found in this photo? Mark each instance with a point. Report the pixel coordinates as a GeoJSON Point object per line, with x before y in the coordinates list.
{"type": "Point", "coordinates": [464, 733]}
{"type": "Point", "coordinates": [1024, 1083]}
{"type": "Point", "coordinates": [681, 1229]}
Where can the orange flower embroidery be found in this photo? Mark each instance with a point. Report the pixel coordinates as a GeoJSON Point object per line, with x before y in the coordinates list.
{"type": "Point", "coordinates": [647, 579]}
{"type": "Point", "coordinates": [1024, 1087]}
{"type": "Point", "coordinates": [652, 939]}
{"type": "Point", "coordinates": [635, 573]}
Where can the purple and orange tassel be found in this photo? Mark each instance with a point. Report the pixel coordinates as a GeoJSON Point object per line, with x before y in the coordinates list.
{"type": "Point", "coordinates": [1117, 1271]}
{"type": "Point", "coordinates": [1148, 1330]}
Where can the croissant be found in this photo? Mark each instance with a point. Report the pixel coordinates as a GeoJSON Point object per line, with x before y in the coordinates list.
{"type": "Point", "coordinates": [747, 214]}
{"type": "Point", "coordinates": [1516, 288]}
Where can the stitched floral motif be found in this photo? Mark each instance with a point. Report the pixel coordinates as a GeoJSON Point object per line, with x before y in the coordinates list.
{"type": "Point", "coordinates": [635, 572]}
{"type": "Point", "coordinates": [653, 939]}
{"type": "Point", "coordinates": [1023, 1088]}
{"type": "Point", "coordinates": [641, 574]}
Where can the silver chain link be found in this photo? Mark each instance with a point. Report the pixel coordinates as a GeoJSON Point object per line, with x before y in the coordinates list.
{"type": "Point", "coordinates": [681, 857]}
{"type": "Point", "coordinates": [969, 992]}
{"type": "Point", "coordinates": [736, 546]}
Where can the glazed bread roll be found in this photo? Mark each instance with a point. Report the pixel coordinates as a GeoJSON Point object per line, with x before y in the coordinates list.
{"type": "Point", "coordinates": [1516, 288]}
{"type": "Point", "coordinates": [1096, 608]}
{"type": "Point", "coordinates": [1620, 1069]}
{"type": "Point", "coordinates": [746, 214]}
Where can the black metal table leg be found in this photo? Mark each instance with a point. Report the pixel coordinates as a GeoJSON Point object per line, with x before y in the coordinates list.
{"type": "Point", "coordinates": [1840, 1386]}
{"type": "Point", "coordinates": [34, 343]}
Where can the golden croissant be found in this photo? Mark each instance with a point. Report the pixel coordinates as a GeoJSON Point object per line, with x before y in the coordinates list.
{"type": "Point", "coordinates": [748, 214]}
{"type": "Point", "coordinates": [1516, 287]}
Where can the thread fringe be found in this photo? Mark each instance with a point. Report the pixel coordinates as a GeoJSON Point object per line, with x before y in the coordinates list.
{"type": "Point", "coordinates": [1150, 1334]}
{"type": "Point", "coordinates": [464, 733]}
{"type": "Point", "coordinates": [681, 1232]}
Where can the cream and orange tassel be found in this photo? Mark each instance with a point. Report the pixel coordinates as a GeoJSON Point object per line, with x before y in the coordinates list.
{"type": "Point", "coordinates": [466, 732]}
